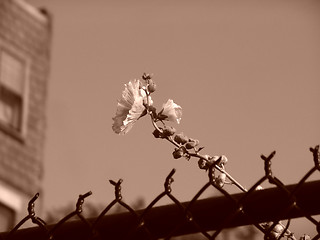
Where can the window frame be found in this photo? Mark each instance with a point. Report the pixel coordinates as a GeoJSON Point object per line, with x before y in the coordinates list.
{"type": "Point", "coordinates": [21, 131]}
{"type": "Point", "coordinates": [12, 200]}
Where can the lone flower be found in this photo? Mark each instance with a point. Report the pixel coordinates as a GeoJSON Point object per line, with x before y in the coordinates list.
{"type": "Point", "coordinates": [130, 107]}
{"type": "Point", "coordinates": [170, 112]}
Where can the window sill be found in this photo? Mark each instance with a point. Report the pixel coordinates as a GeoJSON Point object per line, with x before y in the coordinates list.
{"type": "Point", "coordinates": [12, 132]}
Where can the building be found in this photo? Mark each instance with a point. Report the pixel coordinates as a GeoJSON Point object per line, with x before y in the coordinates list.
{"type": "Point", "coordinates": [25, 34]}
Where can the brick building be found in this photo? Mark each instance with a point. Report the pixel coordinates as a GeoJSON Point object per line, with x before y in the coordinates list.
{"type": "Point", "coordinates": [25, 34]}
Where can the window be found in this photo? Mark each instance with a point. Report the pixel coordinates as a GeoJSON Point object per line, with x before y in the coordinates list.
{"type": "Point", "coordinates": [7, 218]}
{"type": "Point", "coordinates": [12, 91]}
{"type": "Point", "coordinates": [11, 203]}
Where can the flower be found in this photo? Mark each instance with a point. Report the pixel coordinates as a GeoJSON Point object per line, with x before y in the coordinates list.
{"type": "Point", "coordinates": [130, 107]}
{"type": "Point", "coordinates": [170, 112]}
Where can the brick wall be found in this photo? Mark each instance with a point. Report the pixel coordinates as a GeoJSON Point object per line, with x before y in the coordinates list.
{"type": "Point", "coordinates": [27, 32]}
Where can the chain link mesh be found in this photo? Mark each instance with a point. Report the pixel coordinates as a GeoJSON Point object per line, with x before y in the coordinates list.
{"type": "Point", "coordinates": [262, 208]}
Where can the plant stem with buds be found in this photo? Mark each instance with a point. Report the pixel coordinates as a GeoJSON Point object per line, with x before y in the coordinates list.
{"type": "Point", "coordinates": [188, 154]}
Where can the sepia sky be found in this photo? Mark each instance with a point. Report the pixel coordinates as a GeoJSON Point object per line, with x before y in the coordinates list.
{"type": "Point", "coordinates": [246, 73]}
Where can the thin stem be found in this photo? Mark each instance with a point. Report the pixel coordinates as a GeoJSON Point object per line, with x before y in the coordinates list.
{"type": "Point", "coordinates": [173, 142]}
{"type": "Point", "coordinates": [235, 182]}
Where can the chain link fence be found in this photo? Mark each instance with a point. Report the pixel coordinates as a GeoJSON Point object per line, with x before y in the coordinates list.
{"type": "Point", "coordinates": [264, 209]}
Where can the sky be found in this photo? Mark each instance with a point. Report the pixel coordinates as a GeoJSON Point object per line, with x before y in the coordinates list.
{"type": "Point", "coordinates": [246, 74]}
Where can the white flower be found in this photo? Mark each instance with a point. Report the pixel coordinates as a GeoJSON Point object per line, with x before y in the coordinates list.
{"type": "Point", "coordinates": [130, 107]}
{"type": "Point", "coordinates": [171, 111]}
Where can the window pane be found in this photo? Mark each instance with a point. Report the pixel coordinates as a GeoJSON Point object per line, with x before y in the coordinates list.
{"type": "Point", "coordinates": [11, 72]}
{"type": "Point", "coordinates": [10, 108]}
{"type": "Point", "coordinates": [12, 75]}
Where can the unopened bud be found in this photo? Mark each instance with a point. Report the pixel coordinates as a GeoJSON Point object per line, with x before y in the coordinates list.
{"type": "Point", "coordinates": [276, 231]}
{"type": "Point", "coordinates": [202, 164]}
{"type": "Point", "coordinates": [192, 143]}
{"type": "Point", "coordinates": [178, 153]}
{"type": "Point", "coordinates": [168, 131]}
{"type": "Point", "coordinates": [181, 138]}
{"type": "Point", "coordinates": [224, 160]}
{"type": "Point", "coordinates": [151, 86]}
{"type": "Point", "coordinates": [157, 134]}
{"type": "Point", "coordinates": [278, 228]}
{"type": "Point", "coordinates": [194, 140]}
{"type": "Point", "coordinates": [221, 179]}
{"type": "Point", "coordinates": [146, 76]}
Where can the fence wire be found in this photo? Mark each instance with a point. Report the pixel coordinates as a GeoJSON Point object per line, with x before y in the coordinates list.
{"type": "Point", "coordinates": [262, 208]}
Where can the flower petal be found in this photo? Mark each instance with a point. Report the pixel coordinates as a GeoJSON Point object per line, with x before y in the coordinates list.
{"type": "Point", "coordinates": [130, 107]}
{"type": "Point", "coordinates": [172, 111]}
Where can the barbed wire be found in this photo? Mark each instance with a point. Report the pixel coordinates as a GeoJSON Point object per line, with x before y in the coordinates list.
{"type": "Point", "coordinates": [265, 209]}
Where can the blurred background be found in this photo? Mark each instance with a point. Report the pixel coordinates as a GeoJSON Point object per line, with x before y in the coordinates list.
{"type": "Point", "coordinates": [245, 73]}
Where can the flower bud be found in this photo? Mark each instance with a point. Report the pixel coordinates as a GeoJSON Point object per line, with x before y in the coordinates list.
{"type": "Point", "coordinates": [151, 86]}
{"type": "Point", "coordinates": [202, 164]}
{"type": "Point", "coordinates": [224, 160]}
{"type": "Point", "coordinates": [194, 140]}
{"type": "Point", "coordinates": [276, 231]}
{"type": "Point", "coordinates": [168, 131]}
{"type": "Point", "coordinates": [278, 228]}
{"type": "Point", "coordinates": [181, 138]}
{"type": "Point", "coordinates": [146, 76]}
{"type": "Point", "coordinates": [157, 134]}
{"type": "Point", "coordinates": [192, 143]}
{"type": "Point", "coordinates": [221, 179]}
{"type": "Point", "coordinates": [178, 152]}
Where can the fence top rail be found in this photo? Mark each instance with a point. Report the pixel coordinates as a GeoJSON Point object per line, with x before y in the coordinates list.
{"type": "Point", "coordinates": [256, 207]}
